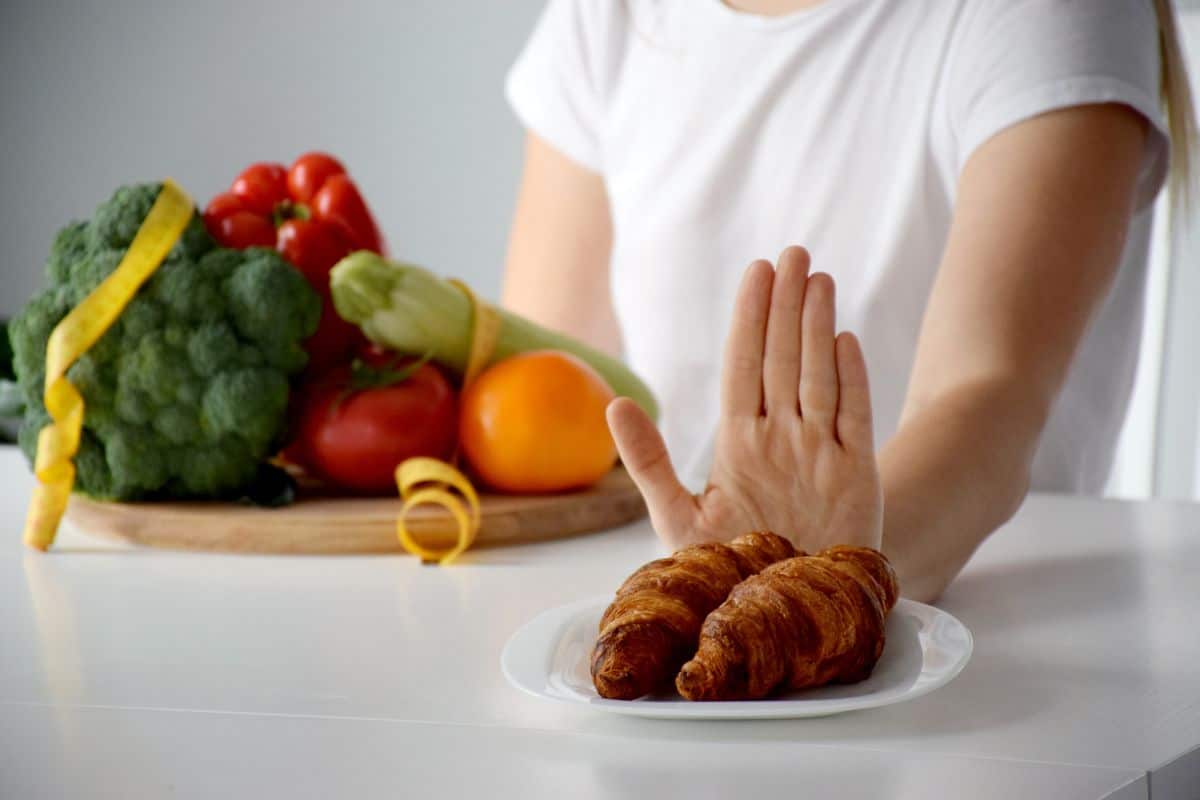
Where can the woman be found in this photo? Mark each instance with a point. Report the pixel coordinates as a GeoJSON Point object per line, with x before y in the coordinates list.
{"type": "Point", "coordinates": [978, 177]}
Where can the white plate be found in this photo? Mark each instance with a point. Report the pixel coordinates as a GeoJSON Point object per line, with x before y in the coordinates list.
{"type": "Point", "coordinates": [548, 657]}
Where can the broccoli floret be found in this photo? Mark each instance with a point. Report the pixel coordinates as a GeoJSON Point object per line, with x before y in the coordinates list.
{"type": "Point", "coordinates": [70, 247]}
{"type": "Point", "coordinates": [187, 392]}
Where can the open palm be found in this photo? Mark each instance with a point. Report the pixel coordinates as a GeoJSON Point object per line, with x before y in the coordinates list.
{"type": "Point", "coordinates": [794, 449]}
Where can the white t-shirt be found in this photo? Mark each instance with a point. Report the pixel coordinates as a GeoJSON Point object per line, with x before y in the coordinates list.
{"type": "Point", "coordinates": [723, 137]}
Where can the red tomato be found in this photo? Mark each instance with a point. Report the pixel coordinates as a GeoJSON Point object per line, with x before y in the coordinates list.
{"type": "Point", "coordinates": [356, 439]}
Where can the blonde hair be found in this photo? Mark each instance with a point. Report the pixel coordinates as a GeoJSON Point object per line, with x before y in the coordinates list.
{"type": "Point", "coordinates": [1181, 112]}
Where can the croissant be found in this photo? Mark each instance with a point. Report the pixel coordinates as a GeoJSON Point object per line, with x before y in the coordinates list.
{"type": "Point", "coordinates": [799, 623]}
{"type": "Point", "coordinates": [653, 624]}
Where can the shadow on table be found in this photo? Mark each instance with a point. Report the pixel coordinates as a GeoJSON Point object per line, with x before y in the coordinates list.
{"type": "Point", "coordinates": [964, 705]}
{"type": "Point", "coordinates": [970, 704]}
{"type": "Point", "coordinates": [997, 599]}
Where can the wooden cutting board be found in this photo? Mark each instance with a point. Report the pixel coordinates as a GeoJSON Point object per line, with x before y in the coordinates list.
{"type": "Point", "coordinates": [356, 525]}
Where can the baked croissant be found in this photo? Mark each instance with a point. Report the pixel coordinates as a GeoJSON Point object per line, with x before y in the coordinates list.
{"type": "Point", "coordinates": [653, 624]}
{"type": "Point", "coordinates": [799, 623]}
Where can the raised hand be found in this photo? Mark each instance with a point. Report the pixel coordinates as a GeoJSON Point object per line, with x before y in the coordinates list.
{"type": "Point", "coordinates": [794, 451]}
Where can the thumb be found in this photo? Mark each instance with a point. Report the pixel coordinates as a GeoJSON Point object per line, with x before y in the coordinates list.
{"type": "Point", "coordinates": [645, 456]}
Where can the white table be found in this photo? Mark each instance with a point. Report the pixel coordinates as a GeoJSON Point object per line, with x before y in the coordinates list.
{"type": "Point", "coordinates": [139, 673]}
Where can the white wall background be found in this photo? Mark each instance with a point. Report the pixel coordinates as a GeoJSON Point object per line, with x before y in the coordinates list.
{"type": "Point", "coordinates": [409, 94]}
{"type": "Point", "coordinates": [1159, 451]}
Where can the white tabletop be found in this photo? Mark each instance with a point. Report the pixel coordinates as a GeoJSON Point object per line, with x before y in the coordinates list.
{"type": "Point", "coordinates": [125, 753]}
{"type": "Point", "coordinates": [318, 676]}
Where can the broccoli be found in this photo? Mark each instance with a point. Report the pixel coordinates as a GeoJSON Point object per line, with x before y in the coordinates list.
{"type": "Point", "coordinates": [187, 392]}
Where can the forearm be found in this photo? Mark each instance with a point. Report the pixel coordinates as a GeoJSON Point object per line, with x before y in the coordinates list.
{"type": "Point", "coordinates": [956, 470]}
{"type": "Point", "coordinates": [572, 301]}
{"type": "Point", "coordinates": [557, 267]}
{"type": "Point", "coordinates": [1039, 226]}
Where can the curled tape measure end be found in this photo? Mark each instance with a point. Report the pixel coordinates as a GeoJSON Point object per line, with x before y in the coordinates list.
{"type": "Point", "coordinates": [428, 481]}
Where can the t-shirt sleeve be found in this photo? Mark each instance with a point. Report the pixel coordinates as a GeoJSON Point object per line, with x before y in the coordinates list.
{"type": "Point", "coordinates": [556, 87]}
{"type": "Point", "coordinates": [1016, 59]}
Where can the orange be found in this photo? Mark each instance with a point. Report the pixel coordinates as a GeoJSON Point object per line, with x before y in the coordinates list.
{"type": "Point", "coordinates": [534, 422]}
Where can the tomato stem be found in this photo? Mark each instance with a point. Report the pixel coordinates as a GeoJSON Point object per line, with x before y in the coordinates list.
{"type": "Point", "coordinates": [364, 377]}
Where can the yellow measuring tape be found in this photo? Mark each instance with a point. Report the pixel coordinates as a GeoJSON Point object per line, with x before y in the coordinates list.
{"type": "Point", "coordinates": [430, 481]}
{"type": "Point", "coordinates": [485, 331]}
{"type": "Point", "coordinates": [58, 442]}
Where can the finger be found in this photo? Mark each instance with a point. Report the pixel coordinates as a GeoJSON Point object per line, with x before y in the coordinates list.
{"type": "Point", "coordinates": [645, 457]}
{"type": "Point", "coordinates": [781, 361]}
{"type": "Point", "coordinates": [818, 371]}
{"type": "Point", "coordinates": [854, 422]}
{"type": "Point", "coordinates": [741, 383]}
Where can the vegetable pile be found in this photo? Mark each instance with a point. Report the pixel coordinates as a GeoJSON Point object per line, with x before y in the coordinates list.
{"type": "Point", "coordinates": [534, 421]}
{"type": "Point", "coordinates": [275, 330]}
{"type": "Point", "coordinates": [187, 393]}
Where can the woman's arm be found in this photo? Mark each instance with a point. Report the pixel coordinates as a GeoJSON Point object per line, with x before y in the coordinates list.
{"type": "Point", "coordinates": [558, 252]}
{"type": "Point", "coordinates": [1038, 231]}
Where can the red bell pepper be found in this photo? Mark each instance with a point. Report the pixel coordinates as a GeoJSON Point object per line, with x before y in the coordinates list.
{"type": "Point", "coordinates": [313, 215]}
